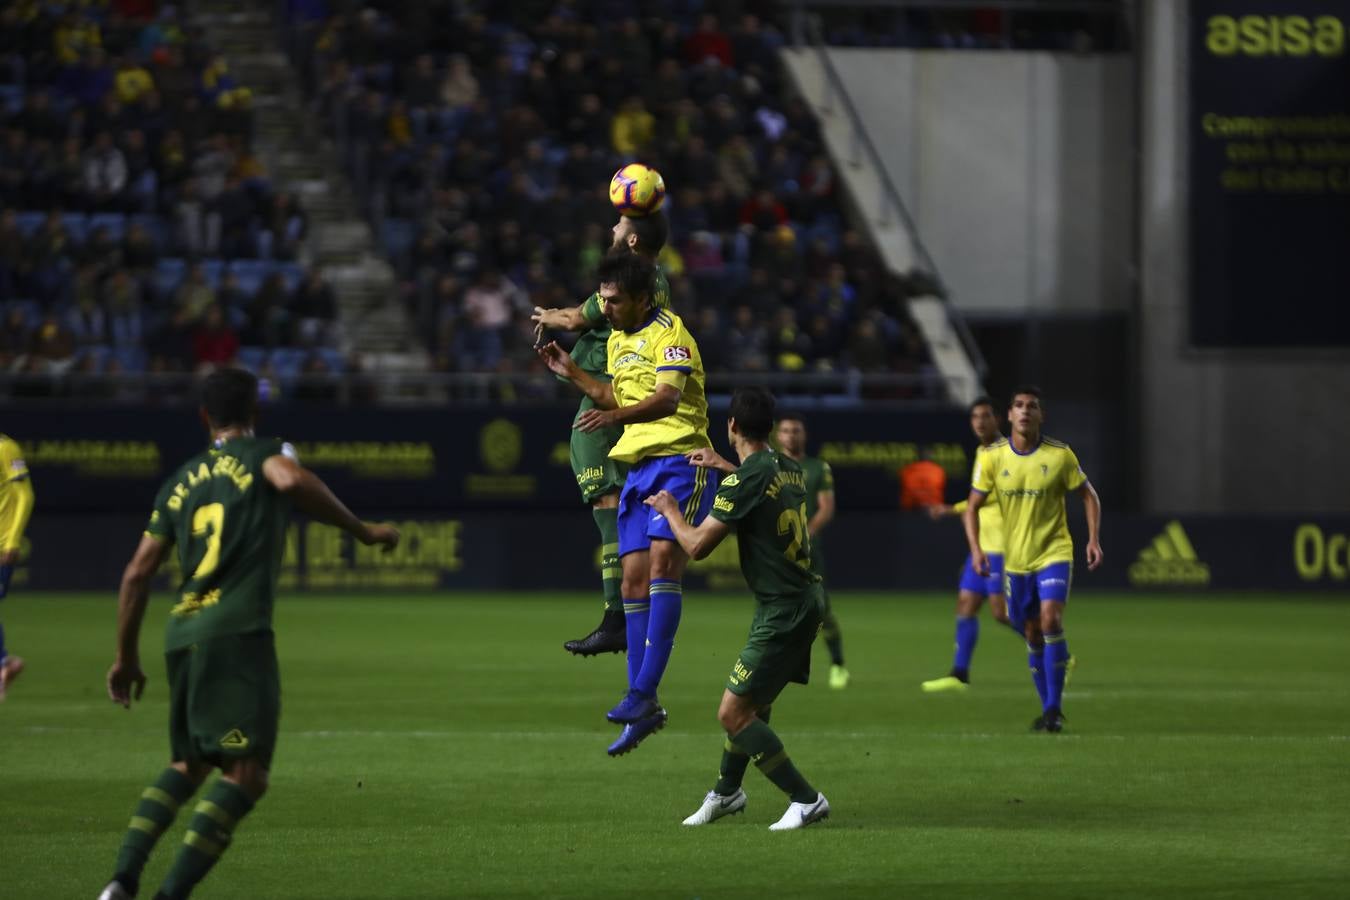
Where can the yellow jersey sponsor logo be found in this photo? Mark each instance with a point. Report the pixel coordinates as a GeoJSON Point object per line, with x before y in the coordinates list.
{"type": "Point", "coordinates": [722, 504]}
{"type": "Point", "coordinates": [191, 603]}
{"type": "Point", "coordinates": [1169, 560]}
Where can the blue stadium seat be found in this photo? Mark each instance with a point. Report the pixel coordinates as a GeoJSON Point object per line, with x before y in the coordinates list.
{"type": "Point", "coordinates": [116, 223]}
{"type": "Point", "coordinates": [397, 235]}
{"type": "Point", "coordinates": [29, 222]}
{"type": "Point", "coordinates": [214, 269]}
{"type": "Point", "coordinates": [11, 98]}
{"type": "Point", "coordinates": [252, 358]}
{"type": "Point", "coordinates": [156, 227]}
{"type": "Point", "coordinates": [291, 274]}
{"type": "Point", "coordinates": [250, 274]}
{"type": "Point", "coordinates": [169, 273]}
{"type": "Point", "coordinates": [288, 360]}
{"type": "Point", "coordinates": [131, 359]}
{"type": "Point", "coordinates": [100, 356]}
{"type": "Point", "coordinates": [333, 358]}
{"type": "Point", "coordinates": [32, 311]}
{"type": "Point", "coordinates": [77, 225]}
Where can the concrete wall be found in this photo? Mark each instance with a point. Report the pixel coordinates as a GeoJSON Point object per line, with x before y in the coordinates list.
{"type": "Point", "coordinates": [1015, 166]}
{"type": "Point", "coordinates": [1220, 432]}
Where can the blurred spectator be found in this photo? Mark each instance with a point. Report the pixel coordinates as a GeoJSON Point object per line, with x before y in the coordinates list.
{"type": "Point", "coordinates": [195, 295]}
{"type": "Point", "coordinates": [214, 343]}
{"type": "Point", "coordinates": [52, 343]}
{"type": "Point", "coordinates": [105, 173]}
{"type": "Point", "coordinates": [708, 41]}
{"type": "Point", "coordinates": [632, 130]}
{"type": "Point", "coordinates": [314, 307]}
{"type": "Point", "coordinates": [133, 80]}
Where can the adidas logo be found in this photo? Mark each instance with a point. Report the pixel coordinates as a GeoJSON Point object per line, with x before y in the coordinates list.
{"type": "Point", "coordinates": [1169, 560]}
{"type": "Point", "coordinates": [235, 740]}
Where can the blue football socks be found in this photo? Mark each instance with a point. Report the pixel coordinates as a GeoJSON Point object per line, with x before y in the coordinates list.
{"type": "Point", "coordinates": [635, 615]}
{"type": "Point", "coordinates": [1054, 664]}
{"type": "Point", "coordinates": [967, 633]}
{"type": "Point", "coordinates": [1035, 657]}
{"type": "Point", "coordinates": [667, 600]}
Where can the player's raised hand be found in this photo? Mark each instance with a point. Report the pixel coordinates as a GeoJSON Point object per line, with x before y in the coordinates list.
{"type": "Point", "coordinates": [938, 510]}
{"type": "Point", "coordinates": [549, 318]}
{"type": "Point", "coordinates": [594, 420]}
{"type": "Point", "coordinates": [1094, 555]}
{"type": "Point", "coordinates": [557, 360]}
{"type": "Point", "coordinates": [385, 535]}
{"type": "Point", "coordinates": [126, 682]}
{"type": "Point", "coordinates": [707, 458]}
{"type": "Point", "coordinates": [664, 502]}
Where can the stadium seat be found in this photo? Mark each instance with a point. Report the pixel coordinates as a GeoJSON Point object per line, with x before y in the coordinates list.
{"type": "Point", "coordinates": [116, 223]}
{"type": "Point", "coordinates": [169, 273]}
{"type": "Point", "coordinates": [77, 225]}
{"type": "Point", "coordinates": [131, 359]}
{"type": "Point", "coordinates": [286, 361]}
{"type": "Point", "coordinates": [397, 235]}
{"type": "Point", "coordinates": [156, 227]}
{"type": "Point", "coordinates": [214, 269]}
{"type": "Point", "coordinates": [333, 358]}
{"type": "Point", "coordinates": [30, 222]}
{"type": "Point", "coordinates": [100, 355]}
{"type": "Point", "coordinates": [291, 274]}
{"type": "Point", "coordinates": [250, 274]}
{"type": "Point", "coordinates": [11, 98]}
{"type": "Point", "coordinates": [252, 358]}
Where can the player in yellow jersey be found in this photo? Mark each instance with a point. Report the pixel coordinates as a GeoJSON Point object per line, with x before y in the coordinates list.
{"type": "Point", "coordinates": [16, 505]}
{"type": "Point", "coordinates": [975, 588]}
{"type": "Point", "coordinates": [1028, 476]}
{"type": "Point", "coordinates": [657, 395]}
{"type": "Point", "coordinates": [600, 477]}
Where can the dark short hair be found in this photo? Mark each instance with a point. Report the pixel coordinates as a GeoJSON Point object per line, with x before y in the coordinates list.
{"type": "Point", "coordinates": [982, 400]}
{"type": "Point", "coordinates": [230, 397]}
{"type": "Point", "coordinates": [635, 275]}
{"type": "Point", "coordinates": [1024, 389]}
{"type": "Point", "coordinates": [652, 230]}
{"type": "Point", "coordinates": [752, 408]}
{"type": "Point", "coordinates": [791, 415]}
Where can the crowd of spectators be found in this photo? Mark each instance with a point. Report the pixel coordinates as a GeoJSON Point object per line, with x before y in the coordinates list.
{"type": "Point", "coordinates": [138, 229]}
{"type": "Point", "coordinates": [482, 137]}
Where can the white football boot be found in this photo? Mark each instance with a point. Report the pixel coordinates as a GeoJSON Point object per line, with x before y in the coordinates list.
{"type": "Point", "coordinates": [799, 815]}
{"type": "Point", "coordinates": [114, 891]}
{"type": "Point", "coordinates": [715, 806]}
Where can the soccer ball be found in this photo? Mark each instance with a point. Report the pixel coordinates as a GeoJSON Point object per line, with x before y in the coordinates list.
{"type": "Point", "coordinates": [637, 190]}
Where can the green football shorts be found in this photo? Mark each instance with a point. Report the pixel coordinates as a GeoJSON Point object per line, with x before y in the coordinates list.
{"type": "Point", "coordinates": [778, 651]}
{"type": "Point", "coordinates": [225, 699]}
{"type": "Point", "coordinates": [597, 474]}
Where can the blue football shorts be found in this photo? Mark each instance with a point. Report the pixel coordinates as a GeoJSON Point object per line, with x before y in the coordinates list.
{"type": "Point", "coordinates": [692, 487]}
{"type": "Point", "coordinates": [983, 584]}
{"type": "Point", "coordinates": [1027, 590]}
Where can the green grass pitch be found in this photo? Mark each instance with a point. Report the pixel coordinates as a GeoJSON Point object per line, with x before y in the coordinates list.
{"type": "Point", "coordinates": [446, 746]}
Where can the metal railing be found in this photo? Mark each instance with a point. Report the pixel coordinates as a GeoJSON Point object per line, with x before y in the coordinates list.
{"type": "Point", "coordinates": [384, 388]}
{"type": "Point", "coordinates": [807, 32]}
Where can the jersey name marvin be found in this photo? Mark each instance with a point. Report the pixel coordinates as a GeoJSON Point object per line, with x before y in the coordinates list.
{"type": "Point", "coordinates": [224, 467]}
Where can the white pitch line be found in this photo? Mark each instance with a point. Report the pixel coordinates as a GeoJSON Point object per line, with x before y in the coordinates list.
{"type": "Point", "coordinates": [327, 734]}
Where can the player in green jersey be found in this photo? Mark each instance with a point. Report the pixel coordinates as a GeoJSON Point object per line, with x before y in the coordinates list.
{"type": "Point", "coordinates": [226, 511]}
{"type": "Point", "coordinates": [791, 435]}
{"type": "Point", "coordinates": [765, 502]}
{"type": "Point", "coordinates": [599, 477]}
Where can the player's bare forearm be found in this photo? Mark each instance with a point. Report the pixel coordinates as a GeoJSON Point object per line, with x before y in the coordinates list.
{"type": "Point", "coordinates": [708, 458]}
{"type": "Point", "coordinates": [569, 318]}
{"type": "Point", "coordinates": [663, 402]}
{"type": "Point", "coordinates": [134, 594]}
{"type": "Point", "coordinates": [970, 518]}
{"type": "Point", "coordinates": [1092, 506]}
{"type": "Point", "coordinates": [824, 513]}
{"type": "Point", "coordinates": [698, 541]}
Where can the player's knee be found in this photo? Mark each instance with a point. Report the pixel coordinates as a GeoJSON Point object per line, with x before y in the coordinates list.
{"type": "Point", "coordinates": [634, 587]}
{"type": "Point", "coordinates": [194, 770]}
{"type": "Point", "coordinates": [1052, 621]}
{"type": "Point", "coordinates": [734, 715]}
{"type": "Point", "coordinates": [251, 776]}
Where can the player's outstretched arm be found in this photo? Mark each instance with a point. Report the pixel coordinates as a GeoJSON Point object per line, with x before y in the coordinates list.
{"type": "Point", "coordinates": [313, 498]}
{"type": "Point", "coordinates": [1092, 505]}
{"type": "Point", "coordinates": [569, 318]}
{"type": "Point", "coordinates": [971, 519]}
{"type": "Point", "coordinates": [562, 365]}
{"type": "Point", "coordinates": [662, 402]}
{"type": "Point", "coordinates": [708, 458]}
{"type": "Point", "coordinates": [698, 541]}
{"type": "Point", "coordinates": [126, 681]}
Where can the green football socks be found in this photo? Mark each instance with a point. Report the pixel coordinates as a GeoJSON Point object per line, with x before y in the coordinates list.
{"type": "Point", "coordinates": [208, 836]}
{"type": "Point", "coordinates": [611, 572]}
{"type": "Point", "coordinates": [762, 745]}
{"type": "Point", "coordinates": [154, 814]}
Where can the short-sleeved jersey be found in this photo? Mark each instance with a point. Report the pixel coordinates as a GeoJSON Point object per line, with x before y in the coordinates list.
{"type": "Point", "coordinates": [1030, 488]}
{"type": "Point", "coordinates": [15, 493]}
{"type": "Point", "coordinates": [589, 350]}
{"type": "Point", "coordinates": [819, 480]}
{"type": "Point", "coordinates": [229, 525]}
{"type": "Point", "coordinates": [765, 501]}
{"type": "Point", "coordinates": [636, 358]}
{"type": "Point", "coordinates": [991, 525]}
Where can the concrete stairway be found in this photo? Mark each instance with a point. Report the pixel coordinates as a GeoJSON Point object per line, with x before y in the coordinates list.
{"type": "Point", "coordinates": [289, 141]}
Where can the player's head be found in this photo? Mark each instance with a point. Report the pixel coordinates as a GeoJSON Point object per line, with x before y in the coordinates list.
{"type": "Point", "coordinates": [230, 398]}
{"type": "Point", "coordinates": [751, 415]}
{"type": "Point", "coordinates": [626, 284]}
{"type": "Point", "coordinates": [983, 419]}
{"type": "Point", "coordinates": [642, 234]}
{"type": "Point", "coordinates": [791, 434]}
{"type": "Point", "coordinates": [1025, 413]}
